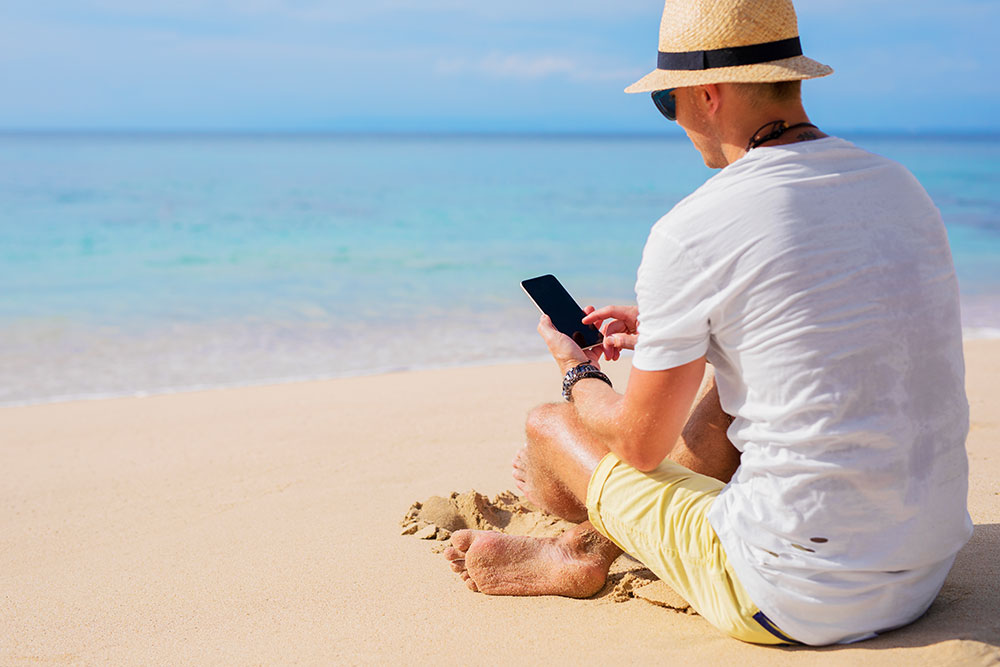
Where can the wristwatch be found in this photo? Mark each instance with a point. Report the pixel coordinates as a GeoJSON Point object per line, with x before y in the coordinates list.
{"type": "Point", "coordinates": [577, 373]}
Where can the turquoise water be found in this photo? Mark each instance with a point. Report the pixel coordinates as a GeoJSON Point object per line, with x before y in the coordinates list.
{"type": "Point", "coordinates": [135, 264]}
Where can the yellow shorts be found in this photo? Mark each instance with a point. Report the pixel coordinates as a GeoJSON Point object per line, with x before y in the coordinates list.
{"type": "Point", "coordinates": [661, 519]}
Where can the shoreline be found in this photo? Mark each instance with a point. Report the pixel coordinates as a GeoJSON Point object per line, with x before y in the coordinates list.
{"type": "Point", "coordinates": [277, 382]}
{"type": "Point", "coordinates": [968, 334]}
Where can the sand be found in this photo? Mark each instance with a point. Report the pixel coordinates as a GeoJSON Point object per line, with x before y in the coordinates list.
{"type": "Point", "coordinates": [263, 525]}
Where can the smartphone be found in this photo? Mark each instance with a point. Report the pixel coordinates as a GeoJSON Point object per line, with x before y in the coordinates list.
{"type": "Point", "coordinates": [553, 300]}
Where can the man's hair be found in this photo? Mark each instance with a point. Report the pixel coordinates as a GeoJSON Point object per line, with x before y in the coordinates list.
{"type": "Point", "coordinates": [767, 93]}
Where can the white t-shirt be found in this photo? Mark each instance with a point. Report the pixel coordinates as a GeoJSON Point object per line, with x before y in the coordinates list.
{"type": "Point", "coordinates": [818, 279]}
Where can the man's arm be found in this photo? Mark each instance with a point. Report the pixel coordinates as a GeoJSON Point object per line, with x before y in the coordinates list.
{"type": "Point", "coordinates": [642, 426]}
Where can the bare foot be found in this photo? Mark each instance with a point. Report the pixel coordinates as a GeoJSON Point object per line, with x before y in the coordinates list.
{"type": "Point", "coordinates": [522, 475]}
{"type": "Point", "coordinates": [574, 564]}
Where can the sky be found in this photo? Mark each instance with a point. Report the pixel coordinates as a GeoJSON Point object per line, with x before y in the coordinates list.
{"type": "Point", "coordinates": [458, 65]}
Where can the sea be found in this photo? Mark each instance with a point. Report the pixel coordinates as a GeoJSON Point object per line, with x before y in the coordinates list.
{"type": "Point", "coordinates": [136, 264]}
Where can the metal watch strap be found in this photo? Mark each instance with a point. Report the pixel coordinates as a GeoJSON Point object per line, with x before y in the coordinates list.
{"type": "Point", "coordinates": [577, 373]}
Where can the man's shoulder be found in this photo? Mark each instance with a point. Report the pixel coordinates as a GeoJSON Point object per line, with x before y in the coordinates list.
{"type": "Point", "coordinates": [790, 162]}
{"type": "Point", "coordinates": [718, 198]}
{"type": "Point", "coordinates": [764, 173]}
{"type": "Point", "coordinates": [784, 178]}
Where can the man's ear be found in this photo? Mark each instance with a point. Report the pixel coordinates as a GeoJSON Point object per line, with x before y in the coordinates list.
{"type": "Point", "coordinates": [711, 97]}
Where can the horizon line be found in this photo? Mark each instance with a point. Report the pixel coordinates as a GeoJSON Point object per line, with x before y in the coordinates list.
{"type": "Point", "coordinates": [983, 133]}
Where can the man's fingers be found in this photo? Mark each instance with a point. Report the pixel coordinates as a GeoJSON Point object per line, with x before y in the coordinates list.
{"type": "Point", "coordinates": [615, 327]}
{"type": "Point", "coordinates": [610, 350]}
{"type": "Point", "coordinates": [564, 349]}
{"type": "Point", "coordinates": [599, 314]}
{"type": "Point", "coordinates": [545, 326]}
{"type": "Point", "coordinates": [615, 343]}
{"type": "Point", "coordinates": [549, 333]}
{"type": "Point", "coordinates": [588, 310]}
{"type": "Point", "coordinates": [626, 313]}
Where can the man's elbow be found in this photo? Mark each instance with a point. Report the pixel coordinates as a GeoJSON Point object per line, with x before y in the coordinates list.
{"type": "Point", "coordinates": [643, 459]}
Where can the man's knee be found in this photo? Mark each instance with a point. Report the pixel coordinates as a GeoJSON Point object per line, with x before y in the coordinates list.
{"type": "Point", "coordinates": [544, 421]}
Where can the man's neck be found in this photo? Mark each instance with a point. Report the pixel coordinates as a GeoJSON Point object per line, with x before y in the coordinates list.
{"type": "Point", "coordinates": [746, 127]}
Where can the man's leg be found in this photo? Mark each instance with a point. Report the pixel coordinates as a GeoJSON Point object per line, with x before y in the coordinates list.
{"type": "Point", "coordinates": [554, 468]}
{"type": "Point", "coordinates": [560, 458]}
{"type": "Point", "coordinates": [704, 446]}
{"type": "Point", "coordinates": [553, 471]}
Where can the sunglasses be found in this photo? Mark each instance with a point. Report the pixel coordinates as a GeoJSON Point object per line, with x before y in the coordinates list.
{"type": "Point", "coordinates": [666, 103]}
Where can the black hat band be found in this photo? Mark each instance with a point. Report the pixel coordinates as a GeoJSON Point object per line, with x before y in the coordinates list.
{"type": "Point", "coordinates": [730, 57]}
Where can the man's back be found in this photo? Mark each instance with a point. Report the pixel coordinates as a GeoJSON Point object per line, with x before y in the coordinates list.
{"type": "Point", "coordinates": [818, 280]}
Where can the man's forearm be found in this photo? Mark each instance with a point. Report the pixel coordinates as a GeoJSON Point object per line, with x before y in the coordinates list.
{"type": "Point", "coordinates": [600, 410]}
{"type": "Point", "coordinates": [598, 407]}
{"type": "Point", "coordinates": [643, 425]}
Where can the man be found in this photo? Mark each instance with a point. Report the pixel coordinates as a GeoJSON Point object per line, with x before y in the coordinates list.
{"type": "Point", "coordinates": [816, 491]}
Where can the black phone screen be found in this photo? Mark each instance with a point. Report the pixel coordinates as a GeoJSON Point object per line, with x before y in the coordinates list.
{"type": "Point", "coordinates": [553, 300]}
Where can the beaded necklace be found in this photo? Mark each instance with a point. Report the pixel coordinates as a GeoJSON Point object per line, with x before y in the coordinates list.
{"type": "Point", "coordinates": [778, 128]}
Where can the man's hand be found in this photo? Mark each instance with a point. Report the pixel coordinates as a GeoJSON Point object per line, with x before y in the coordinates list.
{"type": "Point", "coordinates": [563, 348]}
{"type": "Point", "coordinates": [642, 426]}
{"type": "Point", "coordinates": [620, 333]}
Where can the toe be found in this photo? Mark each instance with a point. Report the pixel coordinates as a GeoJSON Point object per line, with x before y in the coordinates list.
{"type": "Point", "coordinates": [462, 540]}
{"type": "Point", "coordinates": [519, 458]}
{"type": "Point", "coordinates": [451, 553]}
{"type": "Point", "coordinates": [469, 582]}
{"type": "Point", "coordinates": [458, 566]}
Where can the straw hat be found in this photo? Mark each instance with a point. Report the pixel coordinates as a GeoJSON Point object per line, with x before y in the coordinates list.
{"type": "Point", "coordinates": [728, 41]}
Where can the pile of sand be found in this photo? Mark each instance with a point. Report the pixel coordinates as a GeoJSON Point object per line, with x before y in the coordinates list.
{"type": "Point", "coordinates": [437, 518]}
